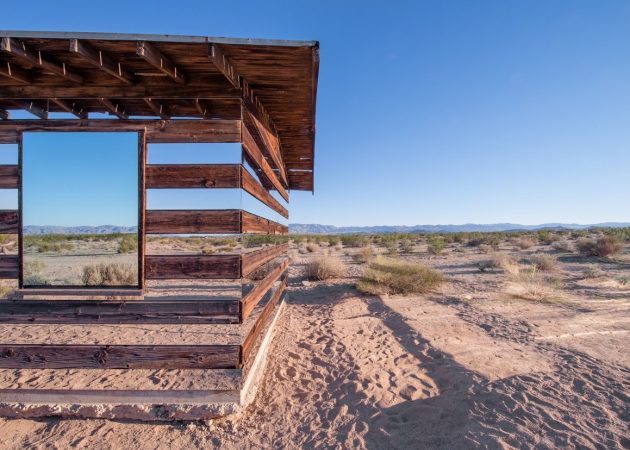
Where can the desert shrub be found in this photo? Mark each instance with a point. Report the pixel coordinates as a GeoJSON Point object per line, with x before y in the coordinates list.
{"type": "Point", "coordinates": [311, 248]}
{"type": "Point", "coordinates": [622, 233]}
{"type": "Point", "coordinates": [391, 247]}
{"type": "Point", "coordinates": [354, 240]}
{"type": "Point", "coordinates": [391, 276]}
{"type": "Point", "coordinates": [436, 244]}
{"type": "Point", "coordinates": [109, 275]}
{"type": "Point", "coordinates": [604, 246]}
{"type": "Point", "coordinates": [364, 255]}
{"type": "Point", "coordinates": [406, 246]}
{"type": "Point", "coordinates": [503, 262]}
{"type": "Point", "coordinates": [562, 246]}
{"type": "Point", "coordinates": [523, 242]}
{"type": "Point", "coordinates": [592, 271]}
{"type": "Point", "coordinates": [547, 237]}
{"type": "Point", "coordinates": [334, 241]}
{"type": "Point", "coordinates": [544, 263]}
{"type": "Point", "coordinates": [490, 239]}
{"type": "Point", "coordinates": [128, 244]}
{"type": "Point", "coordinates": [532, 286]}
{"type": "Point", "coordinates": [325, 268]}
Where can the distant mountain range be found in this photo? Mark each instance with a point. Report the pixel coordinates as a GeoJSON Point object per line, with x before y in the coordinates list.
{"type": "Point", "coordinates": [83, 229]}
{"type": "Point", "coordinates": [300, 228]}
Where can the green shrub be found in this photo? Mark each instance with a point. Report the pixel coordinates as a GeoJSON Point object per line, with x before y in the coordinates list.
{"type": "Point", "coordinates": [391, 276]}
{"type": "Point", "coordinates": [436, 244]}
{"type": "Point", "coordinates": [128, 244]}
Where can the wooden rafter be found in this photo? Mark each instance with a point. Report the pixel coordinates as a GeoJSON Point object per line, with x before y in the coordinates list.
{"type": "Point", "coordinates": [223, 63]}
{"type": "Point", "coordinates": [114, 108]}
{"type": "Point", "coordinates": [153, 56]}
{"type": "Point", "coordinates": [4, 114]}
{"type": "Point", "coordinates": [158, 108]}
{"type": "Point", "coordinates": [203, 108]}
{"type": "Point", "coordinates": [34, 108]}
{"type": "Point", "coordinates": [100, 60]}
{"type": "Point", "coordinates": [10, 70]}
{"type": "Point", "coordinates": [71, 107]}
{"type": "Point", "coordinates": [36, 58]}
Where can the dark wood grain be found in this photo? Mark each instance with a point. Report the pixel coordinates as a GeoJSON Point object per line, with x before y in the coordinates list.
{"type": "Point", "coordinates": [256, 157]}
{"type": "Point", "coordinates": [9, 222]}
{"type": "Point", "coordinates": [251, 185]}
{"type": "Point", "coordinates": [262, 319]}
{"type": "Point", "coordinates": [15, 356]}
{"type": "Point", "coordinates": [253, 297]}
{"type": "Point", "coordinates": [119, 312]}
{"type": "Point", "coordinates": [9, 266]}
{"type": "Point", "coordinates": [164, 267]}
{"type": "Point", "coordinates": [193, 176]}
{"type": "Point", "coordinates": [253, 260]}
{"type": "Point", "coordinates": [9, 176]}
{"type": "Point", "coordinates": [253, 224]}
{"type": "Point", "coordinates": [193, 221]}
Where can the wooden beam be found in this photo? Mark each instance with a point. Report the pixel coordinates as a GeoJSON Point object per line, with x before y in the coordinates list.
{"type": "Point", "coordinates": [14, 72]}
{"type": "Point", "coordinates": [261, 321]}
{"type": "Point", "coordinates": [136, 91]}
{"type": "Point", "coordinates": [253, 187]}
{"type": "Point", "coordinates": [100, 60]}
{"type": "Point", "coordinates": [158, 108]}
{"type": "Point", "coordinates": [119, 312]}
{"type": "Point", "coordinates": [34, 109]}
{"type": "Point", "coordinates": [268, 141]}
{"type": "Point", "coordinates": [173, 176]}
{"type": "Point", "coordinates": [38, 59]}
{"type": "Point", "coordinates": [253, 297]}
{"type": "Point", "coordinates": [253, 260]}
{"type": "Point", "coordinates": [153, 56]}
{"type": "Point", "coordinates": [253, 224]}
{"type": "Point", "coordinates": [224, 65]}
{"type": "Point", "coordinates": [188, 267]}
{"type": "Point", "coordinates": [9, 176]}
{"type": "Point", "coordinates": [9, 222]}
{"type": "Point", "coordinates": [203, 108]}
{"type": "Point", "coordinates": [9, 266]}
{"type": "Point", "coordinates": [113, 108]}
{"type": "Point", "coordinates": [70, 107]}
{"type": "Point", "coordinates": [193, 221]}
{"type": "Point", "coordinates": [4, 114]}
{"type": "Point", "coordinates": [33, 356]}
{"type": "Point", "coordinates": [157, 131]}
{"type": "Point", "coordinates": [253, 151]}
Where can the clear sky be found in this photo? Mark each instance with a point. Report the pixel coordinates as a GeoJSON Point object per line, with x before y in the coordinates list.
{"type": "Point", "coordinates": [434, 111]}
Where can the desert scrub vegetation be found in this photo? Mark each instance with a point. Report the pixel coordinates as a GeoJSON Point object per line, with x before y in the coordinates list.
{"type": "Point", "coordinates": [33, 273]}
{"type": "Point", "coordinates": [364, 255]}
{"type": "Point", "coordinates": [532, 285]}
{"type": "Point", "coordinates": [436, 244]}
{"type": "Point", "coordinates": [128, 244]}
{"type": "Point", "coordinates": [544, 263]}
{"type": "Point", "coordinates": [109, 275]}
{"type": "Point", "coordinates": [523, 242]}
{"type": "Point", "coordinates": [604, 246]}
{"type": "Point", "coordinates": [312, 248]}
{"type": "Point", "coordinates": [562, 246]}
{"type": "Point", "coordinates": [391, 276]}
{"type": "Point", "coordinates": [354, 240]}
{"type": "Point", "coordinates": [500, 261]}
{"type": "Point", "coordinates": [325, 268]}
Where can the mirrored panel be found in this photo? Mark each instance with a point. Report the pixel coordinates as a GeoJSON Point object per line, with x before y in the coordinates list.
{"type": "Point", "coordinates": [80, 197]}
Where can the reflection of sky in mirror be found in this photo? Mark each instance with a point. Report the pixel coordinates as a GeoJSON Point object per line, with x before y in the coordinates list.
{"type": "Point", "coordinates": [73, 179]}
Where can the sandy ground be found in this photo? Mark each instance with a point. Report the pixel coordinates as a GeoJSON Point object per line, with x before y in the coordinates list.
{"type": "Point", "coordinates": [466, 366]}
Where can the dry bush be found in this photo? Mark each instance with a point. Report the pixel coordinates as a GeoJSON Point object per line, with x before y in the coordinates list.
{"type": "Point", "coordinates": [603, 246]}
{"type": "Point", "coordinates": [406, 246]}
{"type": "Point", "coordinates": [523, 243]}
{"type": "Point", "coordinates": [592, 271]}
{"type": "Point", "coordinates": [531, 286]}
{"type": "Point", "coordinates": [544, 263]}
{"type": "Point", "coordinates": [311, 248]}
{"type": "Point", "coordinates": [391, 276]}
{"type": "Point", "coordinates": [364, 255]}
{"type": "Point", "coordinates": [325, 268]}
{"type": "Point", "coordinates": [436, 245]}
{"type": "Point", "coordinates": [109, 275]}
{"type": "Point", "coordinates": [562, 246]}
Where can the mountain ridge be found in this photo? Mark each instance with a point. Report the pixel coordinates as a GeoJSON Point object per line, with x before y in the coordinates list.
{"type": "Point", "coordinates": [298, 228]}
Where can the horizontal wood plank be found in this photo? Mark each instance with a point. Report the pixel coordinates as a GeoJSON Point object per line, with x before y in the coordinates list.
{"type": "Point", "coordinates": [258, 160]}
{"type": "Point", "coordinates": [252, 186]}
{"type": "Point", "coordinates": [253, 224]}
{"type": "Point", "coordinates": [192, 176]}
{"type": "Point", "coordinates": [164, 267]}
{"type": "Point", "coordinates": [253, 297]}
{"type": "Point", "coordinates": [193, 221]}
{"type": "Point", "coordinates": [9, 222]}
{"type": "Point", "coordinates": [9, 177]}
{"type": "Point", "coordinates": [261, 321]}
{"type": "Point", "coordinates": [253, 260]}
{"type": "Point", "coordinates": [119, 312]}
{"type": "Point", "coordinates": [16, 356]}
{"type": "Point", "coordinates": [157, 131]}
{"type": "Point", "coordinates": [9, 266]}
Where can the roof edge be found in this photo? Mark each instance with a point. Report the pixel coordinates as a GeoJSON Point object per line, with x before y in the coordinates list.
{"type": "Point", "coordinates": [155, 37]}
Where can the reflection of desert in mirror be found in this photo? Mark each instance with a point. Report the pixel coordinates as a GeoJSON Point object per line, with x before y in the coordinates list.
{"type": "Point", "coordinates": [80, 206]}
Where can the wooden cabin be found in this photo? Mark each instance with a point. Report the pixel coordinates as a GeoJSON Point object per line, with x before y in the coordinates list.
{"type": "Point", "coordinates": [128, 352]}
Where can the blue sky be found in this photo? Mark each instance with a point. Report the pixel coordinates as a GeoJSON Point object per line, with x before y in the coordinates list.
{"type": "Point", "coordinates": [434, 112]}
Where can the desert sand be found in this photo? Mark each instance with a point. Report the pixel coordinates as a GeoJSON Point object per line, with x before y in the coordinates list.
{"type": "Point", "coordinates": [471, 364]}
